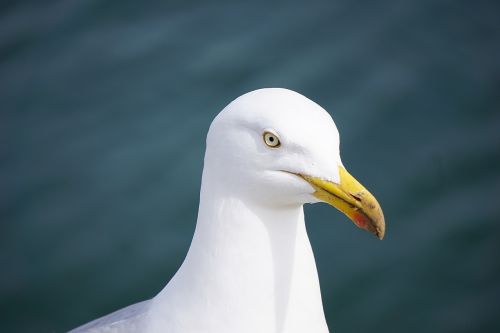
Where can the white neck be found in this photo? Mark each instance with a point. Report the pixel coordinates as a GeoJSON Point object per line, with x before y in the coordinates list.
{"type": "Point", "coordinates": [249, 269]}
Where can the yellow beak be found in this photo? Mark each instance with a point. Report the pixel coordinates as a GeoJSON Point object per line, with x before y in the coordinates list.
{"type": "Point", "coordinates": [352, 199]}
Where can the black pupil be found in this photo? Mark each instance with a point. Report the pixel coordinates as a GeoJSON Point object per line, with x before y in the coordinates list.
{"type": "Point", "coordinates": [271, 139]}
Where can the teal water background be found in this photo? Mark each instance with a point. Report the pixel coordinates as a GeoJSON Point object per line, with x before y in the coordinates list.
{"type": "Point", "coordinates": [104, 109]}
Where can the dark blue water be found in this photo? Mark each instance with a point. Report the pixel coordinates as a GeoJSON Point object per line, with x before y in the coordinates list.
{"type": "Point", "coordinates": [104, 108]}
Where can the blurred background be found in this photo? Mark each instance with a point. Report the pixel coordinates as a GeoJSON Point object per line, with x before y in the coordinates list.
{"type": "Point", "coordinates": [104, 109]}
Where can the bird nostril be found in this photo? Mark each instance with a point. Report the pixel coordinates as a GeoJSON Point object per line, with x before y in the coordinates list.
{"type": "Point", "coordinates": [356, 197]}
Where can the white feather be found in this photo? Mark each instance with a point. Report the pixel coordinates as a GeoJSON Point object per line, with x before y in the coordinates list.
{"type": "Point", "coordinates": [250, 267]}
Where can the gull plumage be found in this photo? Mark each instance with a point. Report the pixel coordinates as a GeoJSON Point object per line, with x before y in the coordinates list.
{"type": "Point", "coordinates": [250, 266]}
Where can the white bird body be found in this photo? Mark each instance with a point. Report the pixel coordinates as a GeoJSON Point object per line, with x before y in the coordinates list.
{"type": "Point", "coordinates": [248, 270]}
{"type": "Point", "coordinates": [250, 266]}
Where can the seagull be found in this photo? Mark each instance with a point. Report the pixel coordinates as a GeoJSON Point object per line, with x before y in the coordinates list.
{"type": "Point", "coordinates": [250, 266]}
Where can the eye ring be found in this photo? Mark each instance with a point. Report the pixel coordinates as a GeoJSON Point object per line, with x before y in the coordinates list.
{"type": "Point", "coordinates": [271, 139]}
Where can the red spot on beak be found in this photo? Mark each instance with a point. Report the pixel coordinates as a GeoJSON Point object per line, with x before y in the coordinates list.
{"type": "Point", "coordinates": [360, 220]}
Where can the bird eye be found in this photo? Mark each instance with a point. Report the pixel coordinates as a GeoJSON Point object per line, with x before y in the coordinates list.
{"type": "Point", "coordinates": [271, 139]}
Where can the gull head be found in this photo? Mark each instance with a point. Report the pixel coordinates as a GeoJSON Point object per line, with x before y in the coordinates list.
{"type": "Point", "coordinates": [275, 147]}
